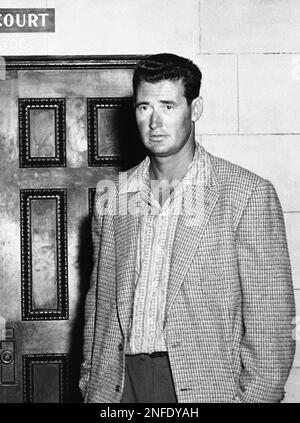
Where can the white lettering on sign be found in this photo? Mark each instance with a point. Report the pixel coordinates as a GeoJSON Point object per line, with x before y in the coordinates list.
{"type": "Point", "coordinates": [43, 15]}
{"type": "Point", "coordinates": [8, 20]}
{"type": "Point", "coordinates": [32, 19]}
{"type": "Point", "coordinates": [27, 20]}
{"type": "Point", "coordinates": [18, 20]}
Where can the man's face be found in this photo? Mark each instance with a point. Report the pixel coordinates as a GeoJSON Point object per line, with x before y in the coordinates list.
{"type": "Point", "coordinates": [164, 117]}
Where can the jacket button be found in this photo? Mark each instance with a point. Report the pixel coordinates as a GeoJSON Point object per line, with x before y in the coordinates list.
{"type": "Point", "coordinates": [176, 344]}
{"type": "Point", "coordinates": [117, 388]}
{"type": "Point", "coordinates": [121, 347]}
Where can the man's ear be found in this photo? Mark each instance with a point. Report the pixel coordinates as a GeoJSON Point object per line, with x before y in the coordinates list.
{"type": "Point", "coordinates": [197, 108]}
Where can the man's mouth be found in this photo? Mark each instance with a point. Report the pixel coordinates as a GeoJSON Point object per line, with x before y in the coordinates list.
{"type": "Point", "coordinates": [157, 137]}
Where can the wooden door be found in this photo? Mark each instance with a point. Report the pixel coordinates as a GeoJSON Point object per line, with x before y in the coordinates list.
{"type": "Point", "coordinates": [65, 123]}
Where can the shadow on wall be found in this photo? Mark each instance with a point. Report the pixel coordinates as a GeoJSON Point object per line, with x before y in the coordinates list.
{"type": "Point", "coordinates": [126, 137]}
{"type": "Point", "coordinates": [132, 152]}
{"type": "Point", "coordinates": [85, 261]}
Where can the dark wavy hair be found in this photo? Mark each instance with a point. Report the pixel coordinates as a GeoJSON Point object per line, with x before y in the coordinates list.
{"type": "Point", "coordinates": [166, 66]}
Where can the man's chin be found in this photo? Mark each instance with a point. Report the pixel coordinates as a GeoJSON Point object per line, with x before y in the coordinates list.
{"type": "Point", "coordinates": [158, 150]}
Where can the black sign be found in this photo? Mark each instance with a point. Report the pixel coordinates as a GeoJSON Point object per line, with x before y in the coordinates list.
{"type": "Point", "coordinates": [27, 20]}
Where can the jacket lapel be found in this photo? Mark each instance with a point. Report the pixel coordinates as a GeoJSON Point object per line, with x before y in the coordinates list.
{"type": "Point", "coordinates": [190, 229]}
{"type": "Point", "coordinates": [126, 232]}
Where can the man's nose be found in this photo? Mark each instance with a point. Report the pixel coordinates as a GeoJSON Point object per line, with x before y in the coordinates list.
{"type": "Point", "coordinates": [155, 120]}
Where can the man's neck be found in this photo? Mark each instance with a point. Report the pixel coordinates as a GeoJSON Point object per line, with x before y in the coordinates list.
{"type": "Point", "coordinates": [173, 167]}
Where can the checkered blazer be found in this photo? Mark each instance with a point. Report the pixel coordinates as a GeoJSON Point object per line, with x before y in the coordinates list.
{"type": "Point", "coordinates": [230, 302]}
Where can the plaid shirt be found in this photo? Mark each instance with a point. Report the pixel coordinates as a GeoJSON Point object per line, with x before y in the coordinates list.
{"type": "Point", "coordinates": [157, 226]}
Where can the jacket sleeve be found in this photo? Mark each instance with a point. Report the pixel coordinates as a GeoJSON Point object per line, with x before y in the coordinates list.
{"type": "Point", "coordinates": [90, 302]}
{"type": "Point", "coordinates": [267, 347]}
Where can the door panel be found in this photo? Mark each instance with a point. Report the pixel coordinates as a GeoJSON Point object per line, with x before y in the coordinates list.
{"type": "Point", "coordinates": [64, 124]}
{"type": "Point", "coordinates": [44, 261]}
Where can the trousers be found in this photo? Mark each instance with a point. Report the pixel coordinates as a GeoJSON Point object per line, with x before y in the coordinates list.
{"type": "Point", "coordinates": [148, 379]}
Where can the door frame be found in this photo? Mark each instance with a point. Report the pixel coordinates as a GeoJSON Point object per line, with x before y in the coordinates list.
{"type": "Point", "coordinates": [72, 62]}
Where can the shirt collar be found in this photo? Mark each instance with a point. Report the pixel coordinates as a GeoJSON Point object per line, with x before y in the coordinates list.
{"type": "Point", "coordinates": [196, 174]}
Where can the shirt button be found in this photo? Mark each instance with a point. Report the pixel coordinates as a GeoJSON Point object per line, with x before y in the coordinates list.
{"type": "Point", "coordinates": [117, 388]}
{"type": "Point", "coordinates": [121, 347]}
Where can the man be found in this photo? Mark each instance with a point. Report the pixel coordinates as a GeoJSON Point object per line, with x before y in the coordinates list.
{"type": "Point", "coordinates": [191, 298]}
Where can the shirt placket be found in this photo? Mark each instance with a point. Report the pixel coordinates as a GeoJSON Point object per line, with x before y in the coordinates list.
{"type": "Point", "coordinates": [156, 236]}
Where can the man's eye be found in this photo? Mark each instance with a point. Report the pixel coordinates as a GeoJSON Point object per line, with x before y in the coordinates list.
{"type": "Point", "coordinates": [143, 108]}
{"type": "Point", "coordinates": [168, 107]}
